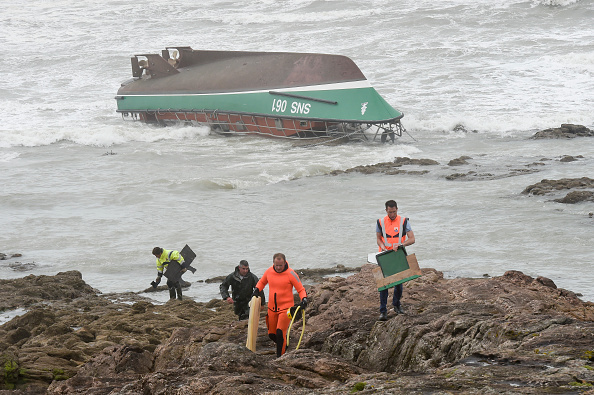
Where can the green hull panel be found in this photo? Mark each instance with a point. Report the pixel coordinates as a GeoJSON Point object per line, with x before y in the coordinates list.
{"type": "Point", "coordinates": [362, 105]}
{"type": "Point", "coordinates": [397, 282]}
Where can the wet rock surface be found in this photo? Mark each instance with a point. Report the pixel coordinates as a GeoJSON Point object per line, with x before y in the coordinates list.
{"type": "Point", "coordinates": [16, 265]}
{"type": "Point", "coordinates": [467, 168]}
{"type": "Point", "coordinates": [580, 189]}
{"type": "Point", "coordinates": [4, 256]}
{"type": "Point", "coordinates": [507, 334]}
{"type": "Point", "coordinates": [307, 276]}
{"type": "Point", "coordinates": [481, 167]}
{"type": "Point", "coordinates": [566, 131]}
{"type": "Point", "coordinates": [471, 168]}
{"type": "Point", "coordinates": [391, 168]}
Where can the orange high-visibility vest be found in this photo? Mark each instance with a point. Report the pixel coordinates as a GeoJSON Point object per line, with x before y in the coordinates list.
{"type": "Point", "coordinates": [393, 231]}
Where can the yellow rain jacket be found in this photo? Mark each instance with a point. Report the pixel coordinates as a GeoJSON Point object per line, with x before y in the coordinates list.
{"type": "Point", "coordinates": [166, 257]}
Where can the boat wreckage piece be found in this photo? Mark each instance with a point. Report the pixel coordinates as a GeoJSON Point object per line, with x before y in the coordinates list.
{"type": "Point", "coordinates": [280, 94]}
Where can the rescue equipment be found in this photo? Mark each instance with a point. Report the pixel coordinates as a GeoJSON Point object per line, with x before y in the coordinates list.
{"type": "Point", "coordinates": [253, 321]}
{"type": "Point", "coordinates": [293, 313]}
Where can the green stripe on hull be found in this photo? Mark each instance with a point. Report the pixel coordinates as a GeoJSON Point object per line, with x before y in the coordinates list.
{"type": "Point", "coordinates": [355, 105]}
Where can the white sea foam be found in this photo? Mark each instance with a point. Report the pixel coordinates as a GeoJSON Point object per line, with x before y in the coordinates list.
{"type": "Point", "coordinates": [581, 63]}
{"type": "Point", "coordinates": [445, 64]}
{"type": "Point", "coordinates": [555, 3]}
{"type": "Point", "coordinates": [8, 156]}
{"type": "Point", "coordinates": [99, 135]}
{"type": "Point", "coordinates": [8, 315]}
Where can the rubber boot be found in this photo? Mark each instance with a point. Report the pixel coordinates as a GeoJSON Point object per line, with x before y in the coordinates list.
{"type": "Point", "coordinates": [179, 292]}
{"type": "Point", "coordinates": [171, 293]}
{"type": "Point", "coordinates": [280, 342]}
{"type": "Point", "coordinates": [243, 312]}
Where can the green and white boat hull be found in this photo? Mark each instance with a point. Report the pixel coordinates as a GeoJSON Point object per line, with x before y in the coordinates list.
{"type": "Point", "coordinates": [284, 107]}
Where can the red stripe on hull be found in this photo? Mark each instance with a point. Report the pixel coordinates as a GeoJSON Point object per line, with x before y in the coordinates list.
{"type": "Point", "coordinates": [243, 123]}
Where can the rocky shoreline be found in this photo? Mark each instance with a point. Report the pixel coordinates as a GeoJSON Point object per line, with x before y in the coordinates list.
{"type": "Point", "coordinates": [509, 334]}
{"type": "Point", "coordinates": [512, 334]}
{"type": "Point", "coordinates": [467, 169]}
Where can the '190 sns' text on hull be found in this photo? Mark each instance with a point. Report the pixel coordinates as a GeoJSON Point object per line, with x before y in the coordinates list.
{"type": "Point", "coordinates": [292, 95]}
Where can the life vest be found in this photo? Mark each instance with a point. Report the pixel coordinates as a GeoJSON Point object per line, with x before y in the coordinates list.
{"type": "Point", "coordinates": [393, 231]}
{"type": "Point", "coordinates": [166, 257]}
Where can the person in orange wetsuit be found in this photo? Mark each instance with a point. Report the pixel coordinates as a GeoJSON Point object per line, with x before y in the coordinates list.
{"type": "Point", "coordinates": [281, 280]}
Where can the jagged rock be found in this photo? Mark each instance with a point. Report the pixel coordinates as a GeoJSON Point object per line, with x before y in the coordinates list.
{"type": "Point", "coordinates": [463, 160]}
{"type": "Point", "coordinates": [22, 266]}
{"type": "Point", "coordinates": [391, 168]}
{"type": "Point", "coordinates": [566, 131]}
{"type": "Point", "coordinates": [34, 289]}
{"type": "Point", "coordinates": [401, 161]}
{"type": "Point", "coordinates": [456, 176]}
{"type": "Point", "coordinates": [306, 275]}
{"type": "Point", "coordinates": [402, 166]}
{"type": "Point", "coordinates": [546, 187]}
{"type": "Point", "coordinates": [569, 158]}
{"type": "Point", "coordinates": [462, 335]}
{"type": "Point", "coordinates": [4, 256]}
{"type": "Point", "coordinates": [577, 197]}
{"type": "Point", "coordinates": [120, 360]}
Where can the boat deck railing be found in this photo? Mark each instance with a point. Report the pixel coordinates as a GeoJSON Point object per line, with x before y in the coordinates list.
{"type": "Point", "coordinates": [234, 123]}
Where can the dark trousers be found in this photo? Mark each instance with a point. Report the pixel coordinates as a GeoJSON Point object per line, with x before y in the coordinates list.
{"type": "Point", "coordinates": [173, 287]}
{"type": "Point", "coordinates": [384, 298]}
{"type": "Point", "coordinates": [242, 309]}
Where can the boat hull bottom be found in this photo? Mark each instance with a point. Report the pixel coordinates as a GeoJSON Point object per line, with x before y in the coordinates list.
{"type": "Point", "coordinates": [253, 124]}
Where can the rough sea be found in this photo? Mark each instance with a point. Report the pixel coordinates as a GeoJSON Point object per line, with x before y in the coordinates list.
{"type": "Point", "coordinates": [83, 189]}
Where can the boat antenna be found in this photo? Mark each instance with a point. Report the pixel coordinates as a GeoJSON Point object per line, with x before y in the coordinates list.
{"type": "Point", "coordinates": [406, 131]}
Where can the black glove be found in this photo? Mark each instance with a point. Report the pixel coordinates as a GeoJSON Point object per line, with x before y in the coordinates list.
{"type": "Point", "coordinates": [303, 303]}
{"type": "Point", "coordinates": [296, 311]}
{"type": "Point", "coordinates": [156, 282]}
{"type": "Point", "coordinates": [256, 292]}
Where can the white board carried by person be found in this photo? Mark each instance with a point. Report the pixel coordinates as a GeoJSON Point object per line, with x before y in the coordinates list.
{"type": "Point", "coordinates": [253, 321]}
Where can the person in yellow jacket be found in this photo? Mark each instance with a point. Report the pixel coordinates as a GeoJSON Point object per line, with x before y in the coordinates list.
{"type": "Point", "coordinates": [164, 257]}
{"type": "Point", "coordinates": [392, 232]}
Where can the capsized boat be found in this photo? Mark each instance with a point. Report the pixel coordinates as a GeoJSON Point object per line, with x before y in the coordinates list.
{"type": "Point", "coordinates": [280, 94]}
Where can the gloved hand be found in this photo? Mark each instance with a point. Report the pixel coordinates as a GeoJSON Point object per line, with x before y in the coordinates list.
{"type": "Point", "coordinates": [303, 303]}
{"type": "Point", "coordinates": [256, 292]}
{"type": "Point", "coordinates": [156, 282]}
{"type": "Point", "coordinates": [295, 311]}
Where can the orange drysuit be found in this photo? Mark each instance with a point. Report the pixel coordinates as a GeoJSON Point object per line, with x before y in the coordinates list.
{"type": "Point", "coordinates": [280, 299]}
